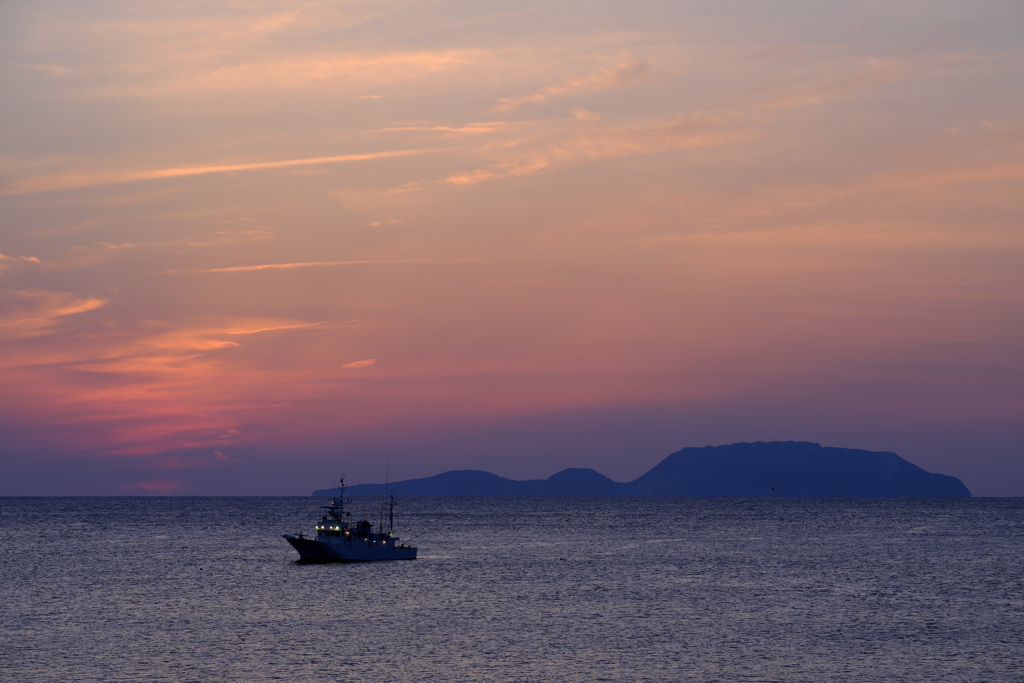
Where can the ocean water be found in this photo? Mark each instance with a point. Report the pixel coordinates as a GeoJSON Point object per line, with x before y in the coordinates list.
{"type": "Point", "coordinates": [205, 589]}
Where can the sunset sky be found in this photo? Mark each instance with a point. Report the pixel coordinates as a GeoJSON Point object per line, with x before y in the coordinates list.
{"type": "Point", "coordinates": [246, 246]}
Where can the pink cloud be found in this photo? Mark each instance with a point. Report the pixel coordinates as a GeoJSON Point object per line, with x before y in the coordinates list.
{"type": "Point", "coordinates": [224, 458]}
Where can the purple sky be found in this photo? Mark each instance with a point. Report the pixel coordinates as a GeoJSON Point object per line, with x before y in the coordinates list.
{"type": "Point", "coordinates": [245, 246]}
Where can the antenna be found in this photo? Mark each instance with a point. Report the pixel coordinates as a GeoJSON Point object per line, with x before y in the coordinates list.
{"type": "Point", "coordinates": [341, 495]}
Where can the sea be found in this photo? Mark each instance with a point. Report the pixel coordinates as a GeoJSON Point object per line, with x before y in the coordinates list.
{"type": "Point", "coordinates": [516, 589]}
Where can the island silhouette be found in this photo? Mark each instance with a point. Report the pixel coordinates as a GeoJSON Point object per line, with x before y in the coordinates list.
{"type": "Point", "coordinates": [776, 469]}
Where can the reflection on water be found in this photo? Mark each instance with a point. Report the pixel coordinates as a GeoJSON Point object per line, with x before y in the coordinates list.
{"type": "Point", "coordinates": [205, 589]}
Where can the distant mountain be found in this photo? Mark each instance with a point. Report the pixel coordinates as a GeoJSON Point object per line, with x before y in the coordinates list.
{"type": "Point", "coordinates": [773, 469]}
{"type": "Point", "coordinates": [570, 482]}
{"type": "Point", "coordinates": [792, 469]}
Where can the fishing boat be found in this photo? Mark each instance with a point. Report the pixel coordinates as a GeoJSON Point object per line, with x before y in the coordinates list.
{"type": "Point", "coordinates": [339, 540]}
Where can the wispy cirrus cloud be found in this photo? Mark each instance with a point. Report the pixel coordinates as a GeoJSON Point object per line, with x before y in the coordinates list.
{"type": "Point", "coordinates": [361, 363]}
{"type": "Point", "coordinates": [580, 137]}
{"type": "Point", "coordinates": [33, 313]}
{"type": "Point", "coordinates": [467, 129]}
{"type": "Point", "coordinates": [52, 69]}
{"type": "Point", "coordinates": [295, 72]}
{"type": "Point", "coordinates": [14, 261]}
{"type": "Point", "coordinates": [92, 254]}
{"type": "Point", "coordinates": [571, 143]}
{"type": "Point", "coordinates": [275, 328]}
{"type": "Point", "coordinates": [587, 136]}
{"type": "Point", "coordinates": [316, 264]}
{"type": "Point", "coordinates": [47, 183]}
{"type": "Point", "coordinates": [624, 74]}
{"type": "Point", "coordinates": [220, 237]}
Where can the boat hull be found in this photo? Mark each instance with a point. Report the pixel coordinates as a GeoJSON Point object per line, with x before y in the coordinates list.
{"type": "Point", "coordinates": [312, 551]}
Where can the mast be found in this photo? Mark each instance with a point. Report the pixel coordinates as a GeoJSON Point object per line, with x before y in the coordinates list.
{"type": "Point", "coordinates": [391, 515]}
{"type": "Point", "coordinates": [384, 496]}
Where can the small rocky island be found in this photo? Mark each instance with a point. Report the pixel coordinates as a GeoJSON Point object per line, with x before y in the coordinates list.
{"type": "Point", "coordinates": [789, 469]}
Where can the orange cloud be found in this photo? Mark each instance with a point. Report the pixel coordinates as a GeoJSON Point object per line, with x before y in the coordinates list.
{"type": "Point", "coordinates": [609, 142]}
{"type": "Point", "coordinates": [49, 183]}
{"type": "Point", "coordinates": [361, 363]}
{"type": "Point", "coordinates": [12, 261]}
{"type": "Point", "coordinates": [31, 259]}
{"type": "Point", "coordinates": [275, 328]}
{"type": "Point", "coordinates": [507, 169]}
{"type": "Point", "coordinates": [607, 78]}
{"type": "Point", "coordinates": [295, 72]}
{"type": "Point", "coordinates": [316, 264]}
{"type": "Point", "coordinates": [31, 313]}
{"type": "Point", "coordinates": [467, 129]}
